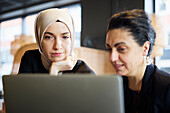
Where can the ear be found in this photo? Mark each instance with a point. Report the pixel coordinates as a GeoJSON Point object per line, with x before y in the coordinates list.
{"type": "Point", "coordinates": [146, 48]}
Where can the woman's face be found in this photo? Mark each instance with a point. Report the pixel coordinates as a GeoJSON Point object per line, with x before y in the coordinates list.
{"type": "Point", "coordinates": [56, 43]}
{"type": "Point", "coordinates": [126, 56]}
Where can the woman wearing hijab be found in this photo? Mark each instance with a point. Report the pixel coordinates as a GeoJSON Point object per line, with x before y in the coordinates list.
{"type": "Point", "coordinates": [129, 41]}
{"type": "Point", "coordinates": [54, 32]}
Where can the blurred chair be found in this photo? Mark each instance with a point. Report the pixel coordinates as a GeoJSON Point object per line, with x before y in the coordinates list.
{"type": "Point", "coordinates": [96, 59]}
{"type": "Point", "coordinates": [19, 41]}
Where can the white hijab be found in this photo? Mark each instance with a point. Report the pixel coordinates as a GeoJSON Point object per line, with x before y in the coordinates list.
{"type": "Point", "coordinates": [44, 19]}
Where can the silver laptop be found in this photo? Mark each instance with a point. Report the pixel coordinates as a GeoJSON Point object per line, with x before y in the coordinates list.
{"type": "Point", "coordinates": [35, 93]}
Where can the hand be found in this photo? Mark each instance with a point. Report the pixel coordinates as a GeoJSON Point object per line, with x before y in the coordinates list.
{"type": "Point", "coordinates": [64, 65]}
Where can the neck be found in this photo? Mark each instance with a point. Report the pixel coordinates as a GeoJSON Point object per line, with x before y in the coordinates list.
{"type": "Point", "coordinates": [135, 82]}
{"type": "Point", "coordinates": [46, 63]}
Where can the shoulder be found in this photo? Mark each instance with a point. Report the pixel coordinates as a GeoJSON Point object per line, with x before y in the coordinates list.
{"type": "Point", "coordinates": [31, 55]}
{"type": "Point", "coordinates": [161, 77]}
{"type": "Point", "coordinates": [162, 88]}
{"type": "Point", "coordinates": [31, 62]}
{"type": "Point", "coordinates": [82, 67]}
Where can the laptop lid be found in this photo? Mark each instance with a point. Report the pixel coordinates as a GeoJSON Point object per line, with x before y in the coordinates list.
{"type": "Point", "coordinates": [35, 93]}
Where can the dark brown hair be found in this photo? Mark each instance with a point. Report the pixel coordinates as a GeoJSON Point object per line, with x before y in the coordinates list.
{"type": "Point", "coordinates": [136, 21]}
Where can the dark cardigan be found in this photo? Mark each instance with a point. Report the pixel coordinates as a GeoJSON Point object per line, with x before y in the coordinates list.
{"type": "Point", "coordinates": [154, 96]}
{"type": "Point", "coordinates": [31, 63]}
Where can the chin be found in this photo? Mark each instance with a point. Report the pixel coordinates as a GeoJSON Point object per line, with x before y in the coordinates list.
{"type": "Point", "coordinates": [58, 59]}
{"type": "Point", "coordinates": [121, 73]}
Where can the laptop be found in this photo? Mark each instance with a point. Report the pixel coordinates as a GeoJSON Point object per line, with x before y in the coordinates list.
{"type": "Point", "coordinates": [41, 93]}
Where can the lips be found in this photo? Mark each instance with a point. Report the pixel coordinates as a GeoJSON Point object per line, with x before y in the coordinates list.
{"type": "Point", "coordinates": [118, 66]}
{"type": "Point", "coordinates": [56, 54]}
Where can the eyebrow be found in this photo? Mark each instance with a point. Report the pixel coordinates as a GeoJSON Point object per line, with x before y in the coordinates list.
{"type": "Point", "coordinates": [54, 35]}
{"type": "Point", "coordinates": [115, 45]}
{"type": "Point", "coordinates": [65, 33]}
{"type": "Point", "coordinates": [49, 33]}
{"type": "Point", "coordinates": [108, 45]}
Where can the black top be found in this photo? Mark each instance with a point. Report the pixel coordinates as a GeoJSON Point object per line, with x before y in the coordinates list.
{"type": "Point", "coordinates": [31, 63]}
{"type": "Point", "coordinates": [154, 96]}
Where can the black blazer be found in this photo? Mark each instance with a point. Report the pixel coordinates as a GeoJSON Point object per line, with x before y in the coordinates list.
{"type": "Point", "coordinates": [31, 63]}
{"type": "Point", "coordinates": [154, 96]}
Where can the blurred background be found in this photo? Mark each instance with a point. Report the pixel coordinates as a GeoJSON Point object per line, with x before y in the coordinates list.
{"type": "Point", "coordinates": [90, 16]}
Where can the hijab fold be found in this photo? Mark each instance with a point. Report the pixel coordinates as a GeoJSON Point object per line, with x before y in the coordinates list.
{"type": "Point", "coordinates": [43, 20]}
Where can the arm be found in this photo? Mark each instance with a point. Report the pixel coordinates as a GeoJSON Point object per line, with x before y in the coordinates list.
{"type": "Point", "coordinates": [64, 65]}
{"type": "Point", "coordinates": [162, 91]}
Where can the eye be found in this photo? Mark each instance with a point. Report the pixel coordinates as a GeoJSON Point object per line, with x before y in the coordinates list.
{"type": "Point", "coordinates": [121, 49]}
{"type": "Point", "coordinates": [48, 37]}
{"type": "Point", "coordinates": [66, 37]}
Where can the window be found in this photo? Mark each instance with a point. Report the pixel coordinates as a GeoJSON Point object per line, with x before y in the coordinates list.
{"type": "Point", "coordinates": [29, 25]}
{"type": "Point", "coordinates": [163, 12]}
{"type": "Point", "coordinates": [161, 5]}
{"type": "Point", "coordinates": [9, 31]}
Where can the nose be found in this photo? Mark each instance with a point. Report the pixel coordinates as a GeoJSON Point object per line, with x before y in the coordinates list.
{"type": "Point", "coordinates": [114, 56]}
{"type": "Point", "coordinates": [57, 43]}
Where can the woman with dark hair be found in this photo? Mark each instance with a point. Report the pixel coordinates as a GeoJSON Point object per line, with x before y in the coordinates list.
{"type": "Point", "coordinates": [130, 40]}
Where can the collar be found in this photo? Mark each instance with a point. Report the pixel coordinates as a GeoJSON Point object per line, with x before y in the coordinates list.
{"type": "Point", "coordinates": [146, 82]}
{"type": "Point", "coordinates": [148, 79]}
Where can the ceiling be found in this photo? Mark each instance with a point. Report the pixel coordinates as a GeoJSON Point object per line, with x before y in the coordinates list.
{"type": "Point", "coordinates": [9, 5]}
{"type": "Point", "coordinates": [14, 8]}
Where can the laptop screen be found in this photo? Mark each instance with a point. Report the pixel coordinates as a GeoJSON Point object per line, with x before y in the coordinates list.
{"type": "Point", "coordinates": [36, 93]}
